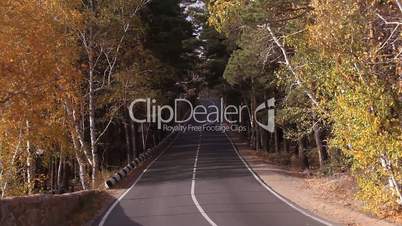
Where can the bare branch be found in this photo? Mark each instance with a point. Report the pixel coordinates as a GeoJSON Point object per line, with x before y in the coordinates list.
{"type": "Point", "coordinates": [108, 124]}
{"type": "Point", "coordinates": [389, 38]}
{"type": "Point", "coordinates": [399, 5]}
{"type": "Point", "coordinates": [289, 66]}
{"type": "Point", "coordinates": [388, 22]}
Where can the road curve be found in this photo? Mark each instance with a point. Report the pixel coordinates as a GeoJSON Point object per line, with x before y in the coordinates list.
{"type": "Point", "coordinates": [202, 181]}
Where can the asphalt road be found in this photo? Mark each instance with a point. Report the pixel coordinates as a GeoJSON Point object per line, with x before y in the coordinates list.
{"type": "Point", "coordinates": [202, 181]}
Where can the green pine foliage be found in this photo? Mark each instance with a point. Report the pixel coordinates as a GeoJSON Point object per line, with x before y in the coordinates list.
{"type": "Point", "coordinates": [343, 75]}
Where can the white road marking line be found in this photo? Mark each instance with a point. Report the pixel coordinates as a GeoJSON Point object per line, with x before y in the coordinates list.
{"type": "Point", "coordinates": [132, 186]}
{"type": "Point", "coordinates": [197, 204]}
{"type": "Point", "coordinates": [272, 191]}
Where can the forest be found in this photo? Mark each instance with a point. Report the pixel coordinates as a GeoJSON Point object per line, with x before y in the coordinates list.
{"type": "Point", "coordinates": [70, 69]}
{"type": "Point", "coordinates": [334, 68]}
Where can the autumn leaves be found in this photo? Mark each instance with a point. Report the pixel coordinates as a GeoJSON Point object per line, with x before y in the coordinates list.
{"type": "Point", "coordinates": [68, 71]}
{"type": "Point", "coordinates": [334, 66]}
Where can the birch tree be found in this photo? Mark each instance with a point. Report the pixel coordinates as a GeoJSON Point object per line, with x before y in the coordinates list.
{"type": "Point", "coordinates": [103, 38]}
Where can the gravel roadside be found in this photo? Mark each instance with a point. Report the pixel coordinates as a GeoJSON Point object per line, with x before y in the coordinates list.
{"type": "Point", "coordinates": [308, 193]}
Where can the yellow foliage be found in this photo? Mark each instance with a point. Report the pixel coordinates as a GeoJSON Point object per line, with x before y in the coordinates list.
{"type": "Point", "coordinates": [224, 13]}
{"type": "Point", "coordinates": [37, 76]}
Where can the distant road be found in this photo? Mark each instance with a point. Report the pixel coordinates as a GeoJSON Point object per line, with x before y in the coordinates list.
{"type": "Point", "coordinates": [202, 181]}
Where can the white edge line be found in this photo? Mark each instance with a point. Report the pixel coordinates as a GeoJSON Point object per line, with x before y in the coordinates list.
{"type": "Point", "coordinates": [197, 204]}
{"type": "Point", "coordinates": [104, 218]}
{"type": "Point", "coordinates": [274, 192]}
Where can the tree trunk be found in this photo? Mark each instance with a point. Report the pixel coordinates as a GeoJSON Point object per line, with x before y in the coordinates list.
{"type": "Point", "coordinates": [250, 116]}
{"type": "Point", "coordinates": [270, 143]}
{"type": "Point", "coordinates": [253, 139]}
{"type": "Point", "coordinates": [143, 137]}
{"type": "Point", "coordinates": [92, 126]}
{"type": "Point", "coordinates": [154, 139]}
{"type": "Point", "coordinates": [59, 174]}
{"type": "Point", "coordinates": [276, 140]}
{"type": "Point", "coordinates": [82, 171]}
{"type": "Point", "coordinates": [83, 146]}
{"type": "Point", "coordinates": [11, 170]}
{"type": "Point", "coordinates": [29, 163]}
{"type": "Point", "coordinates": [80, 161]}
{"type": "Point", "coordinates": [90, 45]}
{"type": "Point", "coordinates": [66, 175]}
{"type": "Point", "coordinates": [285, 144]}
{"type": "Point", "coordinates": [51, 174]}
{"type": "Point", "coordinates": [257, 138]}
{"type": "Point", "coordinates": [77, 132]}
{"type": "Point", "coordinates": [302, 157]}
{"type": "Point", "coordinates": [393, 182]}
{"type": "Point", "coordinates": [79, 144]}
{"type": "Point", "coordinates": [320, 148]}
{"type": "Point", "coordinates": [127, 136]}
{"type": "Point", "coordinates": [264, 140]}
{"type": "Point", "coordinates": [134, 139]}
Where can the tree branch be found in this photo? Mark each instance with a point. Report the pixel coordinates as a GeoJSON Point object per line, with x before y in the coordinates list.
{"type": "Point", "coordinates": [289, 66]}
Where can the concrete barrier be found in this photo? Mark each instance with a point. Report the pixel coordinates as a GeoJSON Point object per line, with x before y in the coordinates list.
{"type": "Point", "coordinates": [149, 154]}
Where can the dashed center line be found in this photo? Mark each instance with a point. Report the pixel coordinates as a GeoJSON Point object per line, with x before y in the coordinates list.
{"type": "Point", "coordinates": [197, 204]}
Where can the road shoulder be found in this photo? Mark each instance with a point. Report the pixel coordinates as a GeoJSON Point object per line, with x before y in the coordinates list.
{"type": "Point", "coordinates": [293, 186]}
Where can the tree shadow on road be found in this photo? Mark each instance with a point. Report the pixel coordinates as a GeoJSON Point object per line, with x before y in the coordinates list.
{"type": "Point", "coordinates": [119, 217]}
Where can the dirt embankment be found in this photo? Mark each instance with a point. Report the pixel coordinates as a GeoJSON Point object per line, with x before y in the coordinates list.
{"type": "Point", "coordinates": [70, 209]}
{"type": "Point", "coordinates": [49, 210]}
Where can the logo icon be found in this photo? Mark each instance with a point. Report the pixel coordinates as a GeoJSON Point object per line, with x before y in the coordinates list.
{"type": "Point", "coordinates": [269, 105]}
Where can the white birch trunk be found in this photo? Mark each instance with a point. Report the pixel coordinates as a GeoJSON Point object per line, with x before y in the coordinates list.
{"type": "Point", "coordinates": [29, 162]}
{"type": "Point", "coordinates": [59, 173]}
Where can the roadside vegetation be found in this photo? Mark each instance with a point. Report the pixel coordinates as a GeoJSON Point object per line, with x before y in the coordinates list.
{"type": "Point", "coordinates": [334, 68]}
{"type": "Point", "coordinates": [70, 69]}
